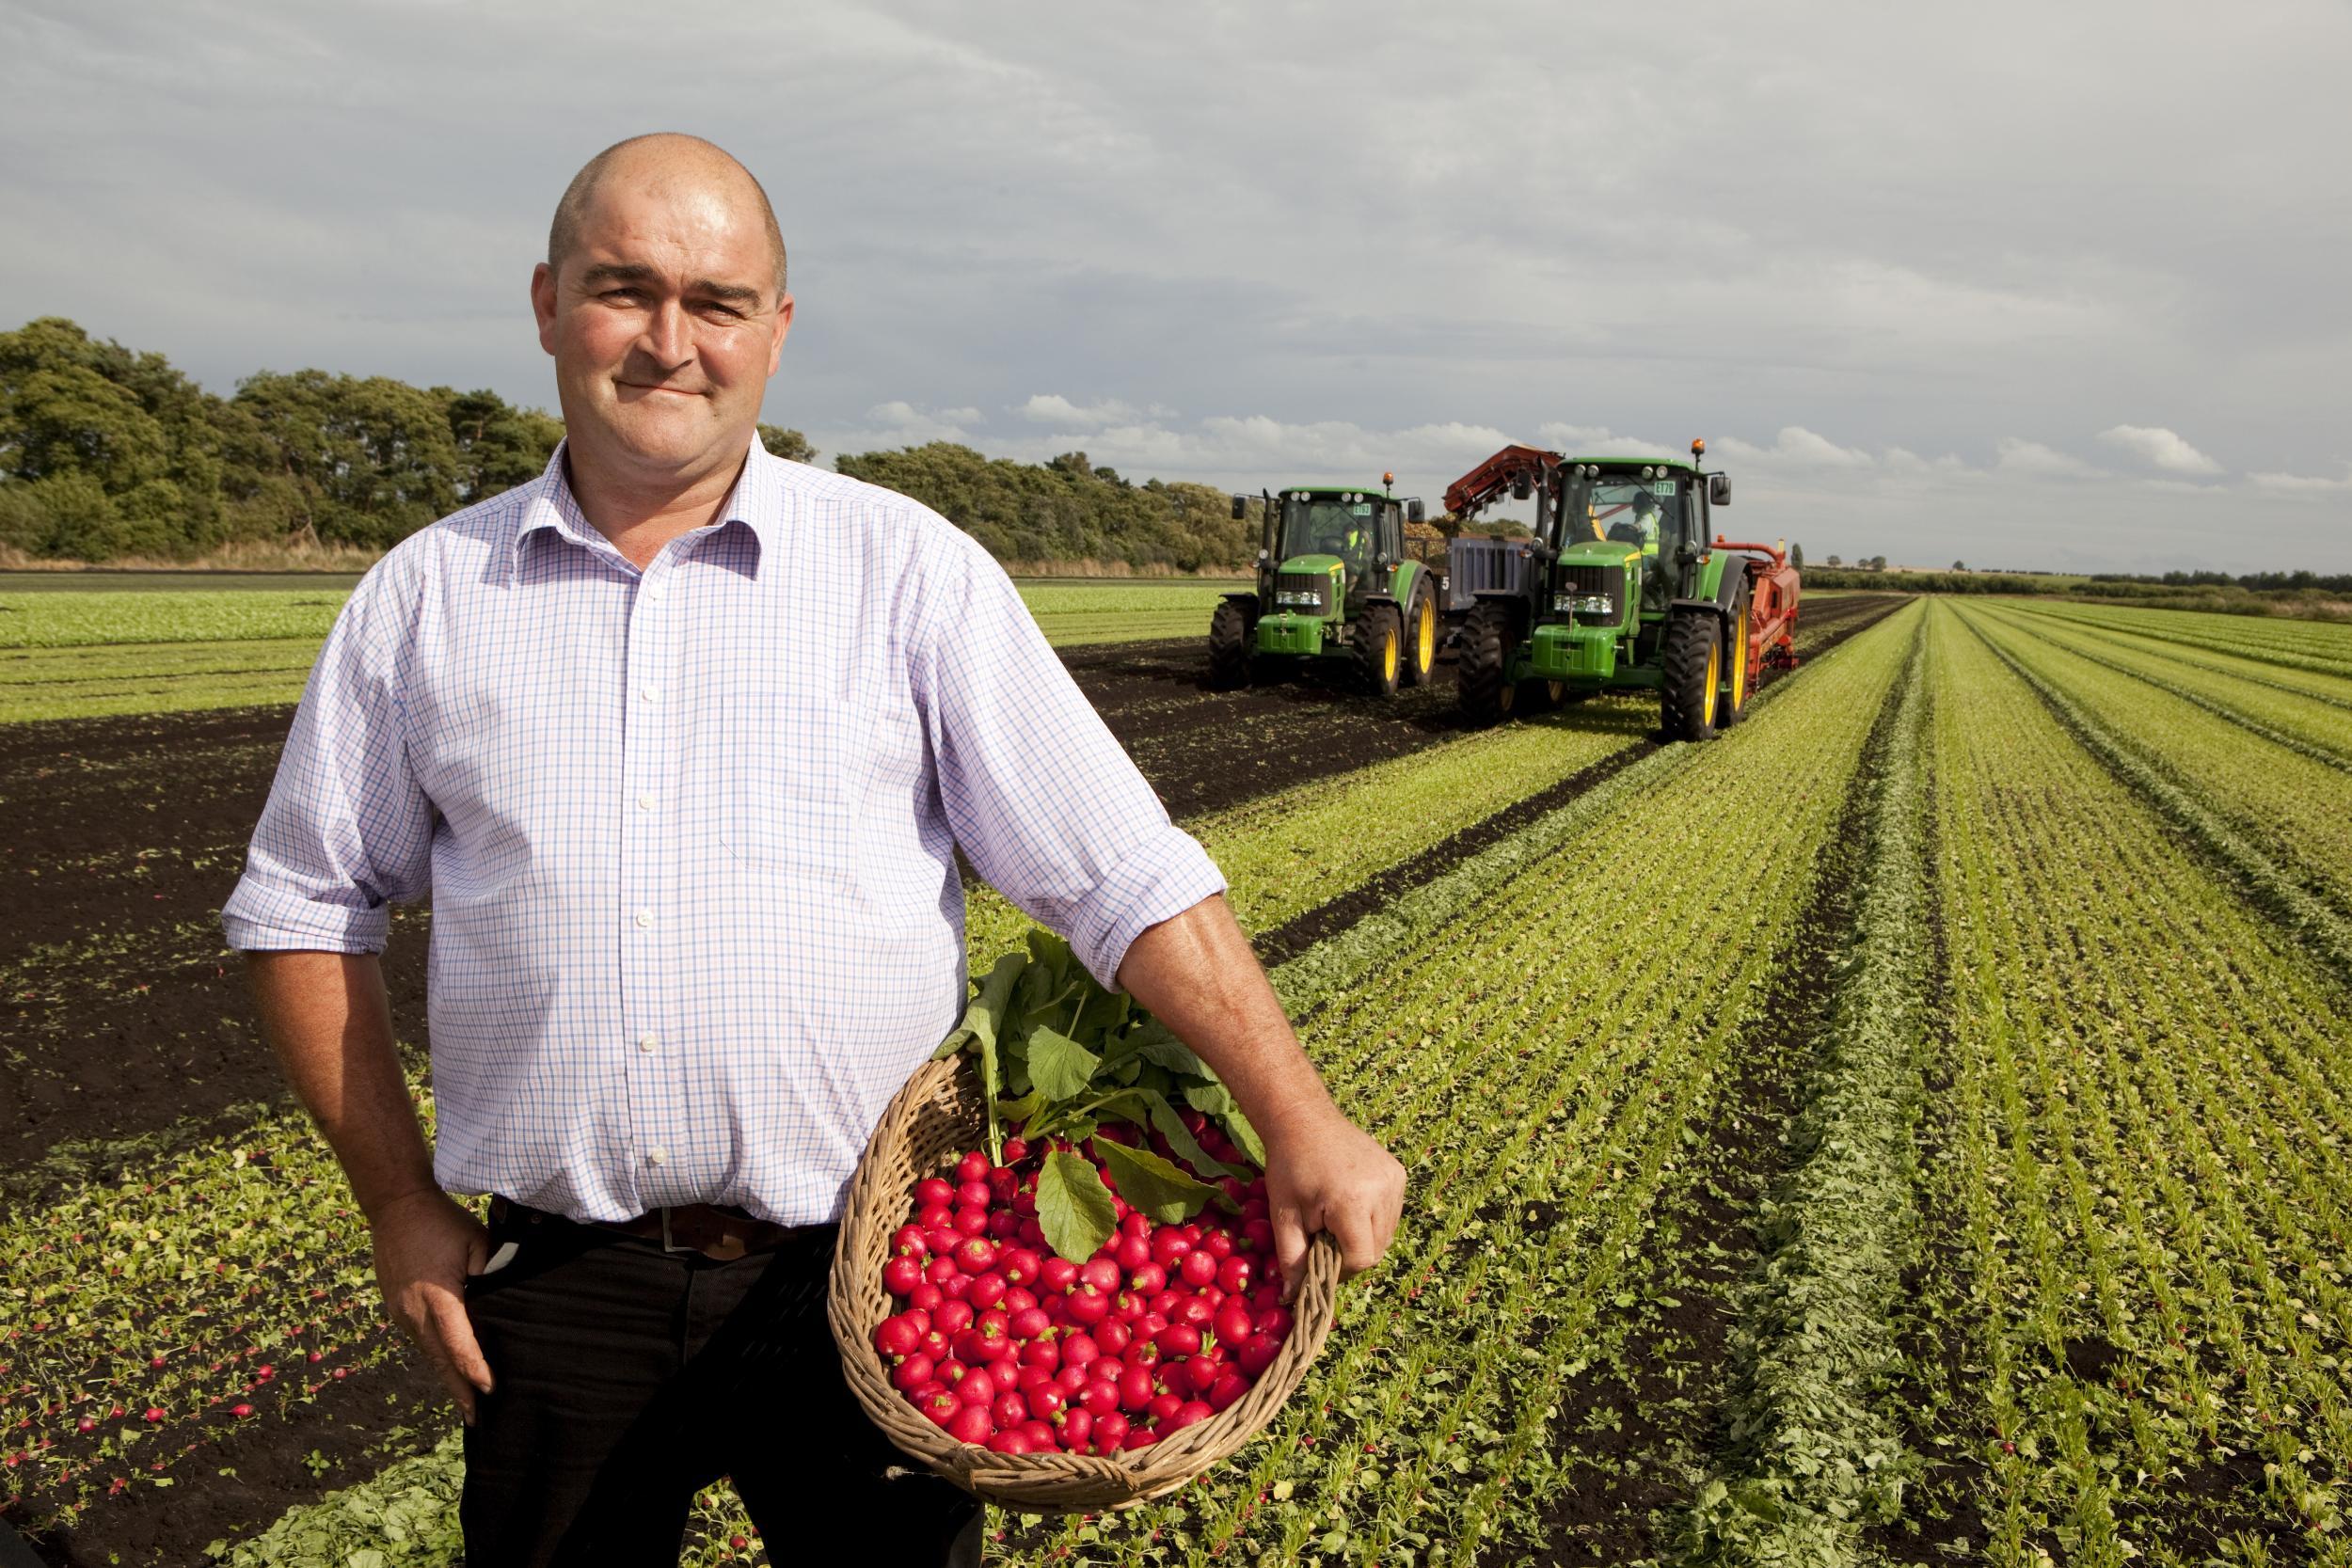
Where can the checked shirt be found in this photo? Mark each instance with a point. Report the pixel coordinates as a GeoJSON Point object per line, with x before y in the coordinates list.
{"type": "Point", "coordinates": [689, 833]}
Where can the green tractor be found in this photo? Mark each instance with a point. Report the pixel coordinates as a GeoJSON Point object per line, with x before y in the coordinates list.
{"type": "Point", "coordinates": [1625, 586]}
{"type": "Point", "coordinates": [1334, 582]}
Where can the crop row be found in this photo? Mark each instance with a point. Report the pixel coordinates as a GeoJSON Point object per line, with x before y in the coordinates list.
{"type": "Point", "coordinates": [2319, 646]}
{"type": "Point", "coordinates": [2143, 1154]}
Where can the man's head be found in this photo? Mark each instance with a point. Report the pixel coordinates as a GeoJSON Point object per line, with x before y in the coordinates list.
{"type": "Point", "coordinates": [662, 300]}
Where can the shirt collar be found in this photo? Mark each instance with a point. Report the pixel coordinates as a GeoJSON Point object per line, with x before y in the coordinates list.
{"type": "Point", "coordinates": [549, 505]}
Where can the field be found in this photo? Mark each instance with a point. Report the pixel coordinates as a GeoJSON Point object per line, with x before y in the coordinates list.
{"type": "Point", "coordinates": [1912, 1128]}
{"type": "Point", "coordinates": [130, 644]}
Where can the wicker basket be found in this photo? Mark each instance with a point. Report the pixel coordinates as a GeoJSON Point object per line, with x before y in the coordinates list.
{"type": "Point", "coordinates": [936, 1115]}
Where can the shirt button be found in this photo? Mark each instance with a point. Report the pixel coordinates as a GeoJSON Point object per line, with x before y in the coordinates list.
{"type": "Point", "coordinates": [657, 1155]}
{"type": "Point", "coordinates": [644, 803]}
{"type": "Point", "coordinates": [649, 691]}
{"type": "Point", "coordinates": [644, 917]}
{"type": "Point", "coordinates": [648, 1043]}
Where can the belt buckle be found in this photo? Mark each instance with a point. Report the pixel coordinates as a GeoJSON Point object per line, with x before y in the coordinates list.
{"type": "Point", "coordinates": [667, 1245]}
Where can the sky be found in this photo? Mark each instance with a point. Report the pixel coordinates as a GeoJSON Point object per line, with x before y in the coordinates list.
{"type": "Point", "coordinates": [2034, 285]}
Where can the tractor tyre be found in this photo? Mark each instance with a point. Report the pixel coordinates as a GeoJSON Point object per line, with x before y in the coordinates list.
{"type": "Point", "coordinates": [1541, 696]}
{"type": "Point", "coordinates": [1421, 639]}
{"type": "Point", "coordinates": [1691, 654]}
{"type": "Point", "coordinates": [1486, 638]}
{"type": "Point", "coordinates": [1379, 649]}
{"type": "Point", "coordinates": [1229, 647]}
{"type": "Point", "coordinates": [1740, 672]}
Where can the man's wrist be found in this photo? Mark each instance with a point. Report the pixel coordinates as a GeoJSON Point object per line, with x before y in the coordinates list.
{"type": "Point", "coordinates": [377, 1209]}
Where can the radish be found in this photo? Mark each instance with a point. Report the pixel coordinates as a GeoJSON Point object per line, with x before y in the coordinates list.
{"type": "Point", "coordinates": [970, 1424]}
{"type": "Point", "coordinates": [1110, 1432]}
{"type": "Point", "coordinates": [911, 1374]}
{"type": "Point", "coordinates": [974, 1167]}
{"type": "Point", "coordinates": [1178, 1339]}
{"type": "Point", "coordinates": [1009, 1411]}
{"type": "Point", "coordinates": [931, 1190]}
{"type": "Point", "coordinates": [1058, 1274]}
{"type": "Point", "coordinates": [1078, 1427]}
{"type": "Point", "coordinates": [1198, 1269]}
{"type": "Point", "coordinates": [1190, 1413]}
{"type": "Point", "coordinates": [1228, 1388]}
{"type": "Point", "coordinates": [1134, 1389]}
{"type": "Point", "coordinates": [902, 1275]}
{"type": "Point", "coordinates": [1099, 1397]}
{"type": "Point", "coordinates": [977, 1387]}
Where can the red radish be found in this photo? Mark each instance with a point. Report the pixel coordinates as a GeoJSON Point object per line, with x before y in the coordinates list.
{"type": "Point", "coordinates": [926, 1295]}
{"type": "Point", "coordinates": [1257, 1235]}
{"type": "Point", "coordinates": [1019, 1298]}
{"type": "Point", "coordinates": [1134, 1389]}
{"type": "Point", "coordinates": [1229, 1386]}
{"type": "Point", "coordinates": [1169, 1247]}
{"type": "Point", "coordinates": [1149, 1280]}
{"type": "Point", "coordinates": [970, 1424]}
{"type": "Point", "coordinates": [1058, 1274]}
{"type": "Point", "coordinates": [1162, 1406]}
{"type": "Point", "coordinates": [1275, 1321]}
{"type": "Point", "coordinates": [1236, 1275]}
{"type": "Point", "coordinates": [1042, 1353]}
{"type": "Point", "coordinates": [1198, 1269]}
{"type": "Point", "coordinates": [935, 1344]}
{"type": "Point", "coordinates": [1099, 1397]}
{"type": "Point", "coordinates": [1200, 1373]}
{"type": "Point", "coordinates": [1145, 1351]}
{"type": "Point", "coordinates": [975, 1167]}
{"type": "Point", "coordinates": [1178, 1339]}
{"type": "Point", "coordinates": [1219, 1245]}
{"type": "Point", "coordinates": [911, 1374]}
{"type": "Point", "coordinates": [1113, 1337]}
{"type": "Point", "coordinates": [943, 1237]}
{"type": "Point", "coordinates": [1233, 1325]}
{"type": "Point", "coordinates": [986, 1291]}
{"type": "Point", "coordinates": [1101, 1273]}
{"type": "Point", "coordinates": [1134, 1252]}
{"type": "Point", "coordinates": [1191, 1413]}
{"type": "Point", "coordinates": [940, 1270]}
{"type": "Point", "coordinates": [977, 1387]}
{"type": "Point", "coordinates": [1041, 1436]}
{"type": "Point", "coordinates": [976, 1255]}
{"type": "Point", "coordinates": [1008, 1441]}
{"type": "Point", "coordinates": [1196, 1311]}
{"type": "Point", "coordinates": [1258, 1354]}
{"type": "Point", "coordinates": [1010, 1410]}
{"type": "Point", "coordinates": [1088, 1306]}
{"type": "Point", "coordinates": [970, 1222]}
{"type": "Point", "coordinates": [975, 1195]}
{"type": "Point", "coordinates": [936, 1218]}
{"type": "Point", "coordinates": [1020, 1266]}
{"type": "Point", "coordinates": [954, 1288]}
{"type": "Point", "coordinates": [901, 1276]}
{"type": "Point", "coordinates": [954, 1317]}
{"type": "Point", "coordinates": [1079, 1350]}
{"type": "Point", "coordinates": [1138, 1437]}
{"type": "Point", "coordinates": [931, 1190]}
{"type": "Point", "coordinates": [899, 1336]}
{"type": "Point", "coordinates": [1077, 1428]}
{"type": "Point", "coordinates": [1070, 1380]}
{"type": "Point", "coordinates": [910, 1239]}
{"type": "Point", "coordinates": [1110, 1432]}
{"type": "Point", "coordinates": [1046, 1402]}
{"type": "Point", "coordinates": [1016, 1151]}
{"type": "Point", "coordinates": [1003, 1224]}
{"type": "Point", "coordinates": [1030, 1323]}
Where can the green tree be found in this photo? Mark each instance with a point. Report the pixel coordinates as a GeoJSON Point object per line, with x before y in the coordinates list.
{"type": "Point", "coordinates": [1796, 556]}
{"type": "Point", "coordinates": [791, 445]}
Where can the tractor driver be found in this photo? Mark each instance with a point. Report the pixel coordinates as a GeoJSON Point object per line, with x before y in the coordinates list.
{"type": "Point", "coordinates": [1642, 526]}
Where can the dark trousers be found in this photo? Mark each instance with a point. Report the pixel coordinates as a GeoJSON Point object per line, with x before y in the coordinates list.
{"type": "Point", "coordinates": [627, 1379]}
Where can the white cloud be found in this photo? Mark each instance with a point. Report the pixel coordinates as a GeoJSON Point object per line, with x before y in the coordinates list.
{"type": "Point", "coordinates": [1796, 446]}
{"type": "Point", "coordinates": [1051, 408]}
{"type": "Point", "coordinates": [2033, 460]}
{"type": "Point", "coordinates": [1599, 440]}
{"type": "Point", "coordinates": [2304, 484]}
{"type": "Point", "coordinates": [2160, 448]}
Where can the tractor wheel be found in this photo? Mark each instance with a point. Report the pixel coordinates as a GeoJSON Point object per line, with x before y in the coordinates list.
{"type": "Point", "coordinates": [1693, 654]}
{"type": "Point", "coordinates": [1541, 696]}
{"type": "Point", "coordinates": [1486, 696]}
{"type": "Point", "coordinates": [1229, 647]}
{"type": "Point", "coordinates": [1379, 649]}
{"type": "Point", "coordinates": [1740, 672]}
{"type": "Point", "coordinates": [1421, 639]}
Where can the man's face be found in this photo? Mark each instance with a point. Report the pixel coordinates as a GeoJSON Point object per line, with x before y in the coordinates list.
{"type": "Point", "coordinates": [665, 324]}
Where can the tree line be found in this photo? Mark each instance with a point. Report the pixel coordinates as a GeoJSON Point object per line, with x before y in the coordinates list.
{"type": "Point", "coordinates": [107, 454]}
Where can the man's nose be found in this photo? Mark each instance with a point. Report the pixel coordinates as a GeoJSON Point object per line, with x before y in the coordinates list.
{"type": "Point", "coordinates": [669, 336]}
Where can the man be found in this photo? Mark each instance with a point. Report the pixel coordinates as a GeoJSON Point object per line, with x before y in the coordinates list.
{"type": "Point", "coordinates": [684, 740]}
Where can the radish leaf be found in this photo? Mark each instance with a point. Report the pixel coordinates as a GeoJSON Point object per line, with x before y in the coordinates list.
{"type": "Point", "coordinates": [1073, 1207]}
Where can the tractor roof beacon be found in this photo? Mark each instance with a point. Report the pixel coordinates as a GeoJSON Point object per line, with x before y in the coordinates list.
{"type": "Point", "coordinates": [1335, 582]}
{"type": "Point", "coordinates": [1625, 586]}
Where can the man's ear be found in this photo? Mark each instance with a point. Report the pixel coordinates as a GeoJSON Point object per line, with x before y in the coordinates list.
{"type": "Point", "coordinates": [543, 303]}
{"type": "Point", "coordinates": [784, 324]}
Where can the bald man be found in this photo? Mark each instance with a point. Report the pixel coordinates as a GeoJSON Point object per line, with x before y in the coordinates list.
{"type": "Point", "coordinates": [684, 740]}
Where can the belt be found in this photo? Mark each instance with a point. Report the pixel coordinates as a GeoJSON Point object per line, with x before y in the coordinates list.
{"type": "Point", "coordinates": [718, 1232]}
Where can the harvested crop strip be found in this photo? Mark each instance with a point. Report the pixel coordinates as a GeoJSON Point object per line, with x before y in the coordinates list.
{"type": "Point", "coordinates": [1815, 1453]}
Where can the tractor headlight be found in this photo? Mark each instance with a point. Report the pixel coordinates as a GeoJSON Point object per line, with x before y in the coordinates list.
{"type": "Point", "coordinates": [1303, 601]}
{"type": "Point", "coordinates": [1584, 604]}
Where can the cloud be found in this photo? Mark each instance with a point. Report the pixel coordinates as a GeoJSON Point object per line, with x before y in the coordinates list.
{"type": "Point", "coordinates": [1578, 440]}
{"type": "Point", "coordinates": [2160, 448]}
{"type": "Point", "coordinates": [1796, 446]}
{"type": "Point", "coordinates": [2032, 460]}
{"type": "Point", "coordinates": [1051, 408]}
{"type": "Point", "coordinates": [2303, 485]}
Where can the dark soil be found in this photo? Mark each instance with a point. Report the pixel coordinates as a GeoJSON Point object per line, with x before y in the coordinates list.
{"type": "Point", "coordinates": [243, 1475]}
{"type": "Point", "coordinates": [1638, 1427]}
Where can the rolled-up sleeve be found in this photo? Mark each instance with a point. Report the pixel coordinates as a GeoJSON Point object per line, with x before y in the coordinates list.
{"type": "Point", "coordinates": [347, 830]}
{"type": "Point", "coordinates": [1044, 801]}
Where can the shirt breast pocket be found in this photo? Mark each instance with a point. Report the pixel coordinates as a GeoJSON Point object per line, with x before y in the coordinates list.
{"type": "Point", "coordinates": [787, 762]}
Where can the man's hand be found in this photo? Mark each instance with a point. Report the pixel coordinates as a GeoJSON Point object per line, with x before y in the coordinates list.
{"type": "Point", "coordinates": [425, 1247]}
{"type": "Point", "coordinates": [1330, 1176]}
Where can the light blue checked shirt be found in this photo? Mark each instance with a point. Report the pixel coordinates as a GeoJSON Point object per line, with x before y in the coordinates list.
{"type": "Point", "coordinates": [689, 833]}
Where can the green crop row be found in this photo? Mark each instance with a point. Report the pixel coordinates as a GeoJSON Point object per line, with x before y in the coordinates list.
{"type": "Point", "coordinates": [2333, 690]}
{"type": "Point", "coordinates": [1816, 1454]}
{"type": "Point", "coordinates": [2141, 1155]}
{"type": "Point", "coordinates": [2322, 647]}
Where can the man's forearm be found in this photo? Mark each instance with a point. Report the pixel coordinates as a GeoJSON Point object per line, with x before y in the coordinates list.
{"type": "Point", "coordinates": [1198, 975]}
{"type": "Point", "coordinates": [330, 1022]}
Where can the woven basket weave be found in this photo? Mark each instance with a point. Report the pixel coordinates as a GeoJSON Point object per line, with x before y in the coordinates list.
{"type": "Point", "coordinates": [935, 1118]}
